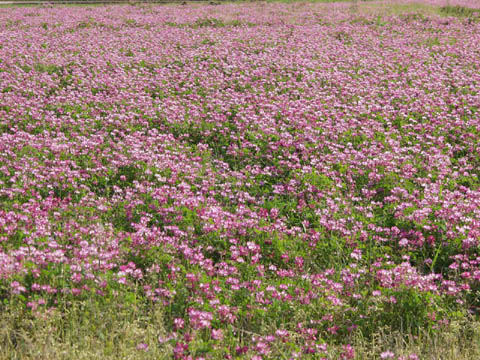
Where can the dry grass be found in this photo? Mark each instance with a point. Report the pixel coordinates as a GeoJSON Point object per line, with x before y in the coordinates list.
{"type": "Point", "coordinates": [113, 333]}
{"type": "Point", "coordinates": [460, 341]}
{"type": "Point", "coordinates": [90, 332]}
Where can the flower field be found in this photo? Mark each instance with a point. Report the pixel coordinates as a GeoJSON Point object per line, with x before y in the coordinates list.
{"type": "Point", "coordinates": [248, 181]}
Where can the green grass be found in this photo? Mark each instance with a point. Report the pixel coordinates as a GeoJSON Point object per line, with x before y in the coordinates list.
{"type": "Point", "coordinates": [460, 11]}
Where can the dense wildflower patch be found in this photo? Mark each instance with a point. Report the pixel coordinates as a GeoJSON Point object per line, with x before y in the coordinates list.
{"type": "Point", "coordinates": [279, 177]}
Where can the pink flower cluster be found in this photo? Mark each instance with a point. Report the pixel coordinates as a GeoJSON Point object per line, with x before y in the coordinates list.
{"type": "Point", "coordinates": [276, 176]}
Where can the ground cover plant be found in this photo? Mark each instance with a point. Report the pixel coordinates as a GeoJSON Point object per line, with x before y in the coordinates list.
{"type": "Point", "coordinates": [252, 181]}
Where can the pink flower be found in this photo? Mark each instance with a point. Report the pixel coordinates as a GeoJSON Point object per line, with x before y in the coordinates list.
{"type": "Point", "coordinates": [348, 352]}
{"type": "Point", "coordinates": [387, 355]}
{"type": "Point", "coordinates": [142, 346]}
{"type": "Point", "coordinates": [274, 213]}
{"type": "Point", "coordinates": [199, 319]}
{"type": "Point", "coordinates": [217, 334]}
{"type": "Point", "coordinates": [178, 323]}
{"type": "Point", "coordinates": [281, 333]}
{"type": "Point", "coordinates": [403, 242]}
{"type": "Point", "coordinates": [356, 254]}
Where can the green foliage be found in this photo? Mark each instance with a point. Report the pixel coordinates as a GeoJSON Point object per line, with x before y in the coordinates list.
{"type": "Point", "coordinates": [461, 11]}
{"type": "Point", "coordinates": [208, 22]}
